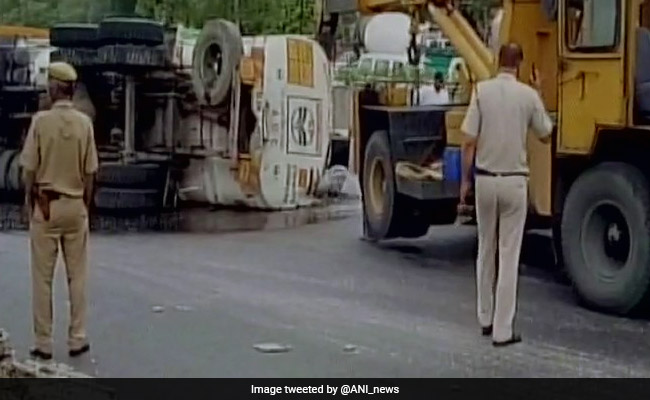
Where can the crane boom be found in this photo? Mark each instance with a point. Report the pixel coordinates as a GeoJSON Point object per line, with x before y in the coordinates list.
{"type": "Point", "coordinates": [467, 42]}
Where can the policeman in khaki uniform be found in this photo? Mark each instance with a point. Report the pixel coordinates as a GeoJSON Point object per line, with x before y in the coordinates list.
{"type": "Point", "coordinates": [59, 161]}
{"type": "Point", "coordinates": [501, 112]}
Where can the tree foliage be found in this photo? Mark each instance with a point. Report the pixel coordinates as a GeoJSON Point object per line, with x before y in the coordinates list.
{"type": "Point", "coordinates": [254, 16]}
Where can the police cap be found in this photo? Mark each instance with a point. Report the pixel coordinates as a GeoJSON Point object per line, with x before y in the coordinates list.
{"type": "Point", "coordinates": [63, 72]}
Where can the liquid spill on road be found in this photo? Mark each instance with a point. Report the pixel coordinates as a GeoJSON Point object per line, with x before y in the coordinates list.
{"type": "Point", "coordinates": [197, 220]}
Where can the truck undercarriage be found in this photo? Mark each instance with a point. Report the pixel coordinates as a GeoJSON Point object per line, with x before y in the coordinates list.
{"type": "Point", "coordinates": [208, 130]}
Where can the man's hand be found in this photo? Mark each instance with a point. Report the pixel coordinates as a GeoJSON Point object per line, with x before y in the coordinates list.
{"type": "Point", "coordinates": [28, 210]}
{"type": "Point", "coordinates": [536, 79]}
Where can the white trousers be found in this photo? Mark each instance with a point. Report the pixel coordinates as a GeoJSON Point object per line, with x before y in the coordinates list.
{"type": "Point", "coordinates": [501, 208]}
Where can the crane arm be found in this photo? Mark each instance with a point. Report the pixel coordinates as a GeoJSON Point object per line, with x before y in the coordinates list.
{"type": "Point", "coordinates": [467, 42]}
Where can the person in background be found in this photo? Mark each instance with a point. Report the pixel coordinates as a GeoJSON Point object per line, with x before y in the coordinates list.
{"type": "Point", "coordinates": [59, 160]}
{"type": "Point", "coordinates": [436, 95]}
{"type": "Point", "coordinates": [501, 112]}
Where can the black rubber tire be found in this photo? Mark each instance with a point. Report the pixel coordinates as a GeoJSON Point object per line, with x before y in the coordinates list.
{"type": "Point", "coordinates": [19, 99]}
{"type": "Point", "coordinates": [127, 199]}
{"type": "Point", "coordinates": [213, 90]}
{"type": "Point", "coordinates": [400, 216]}
{"type": "Point", "coordinates": [556, 230]}
{"type": "Point", "coordinates": [141, 176]}
{"type": "Point", "coordinates": [600, 284]}
{"type": "Point", "coordinates": [79, 57]}
{"type": "Point", "coordinates": [136, 31]}
{"type": "Point", "coordinates": [74, 36]}
{"type": "Point", "coordinates": [132, 56]}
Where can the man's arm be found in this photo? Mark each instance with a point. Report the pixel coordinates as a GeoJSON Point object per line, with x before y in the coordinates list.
{"type": "Point", "coordinates": [29, 160]}
{"type": "Point", "coordinates": [540, 121]}
{"type": "Point", "coordinates": [91, 166]}
{"type": "Point", "coordinates": [29, 177]}
{"type": "Point", "coordinates": [469, 154]}
{"type": "Point", "coordinates": [471, 128]}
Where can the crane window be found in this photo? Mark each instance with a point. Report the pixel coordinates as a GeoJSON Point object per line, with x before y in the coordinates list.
{"type": "Point", "coordinates": [593, 25]}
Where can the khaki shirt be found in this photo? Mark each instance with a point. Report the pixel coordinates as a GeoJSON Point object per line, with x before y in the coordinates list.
{"type": "Point", "coordinates": [505, 111]}
{"type": "Point", "coordinates": [60, 149]}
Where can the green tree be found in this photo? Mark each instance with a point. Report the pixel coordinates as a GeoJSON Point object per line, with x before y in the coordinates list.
{"type": "Point", "coordinates": [254, 16]}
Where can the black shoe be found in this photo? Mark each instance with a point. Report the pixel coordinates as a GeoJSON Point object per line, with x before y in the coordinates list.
{"type": "Point", "coordinates": [486, 331]}
{"type": "Point", "coordinates": [79, 352]}
{"type": "Point", "coordinates": [40, 355]}
{"type": "Point", "coordinates": [513, 340]}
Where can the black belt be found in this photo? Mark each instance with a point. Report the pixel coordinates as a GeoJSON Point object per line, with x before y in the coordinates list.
{"type": "Point", "coordinates": [482, 172]}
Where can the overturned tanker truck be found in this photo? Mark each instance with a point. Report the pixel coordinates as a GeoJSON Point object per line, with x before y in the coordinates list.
{"type": "Point", "coordinates": [226, 120]}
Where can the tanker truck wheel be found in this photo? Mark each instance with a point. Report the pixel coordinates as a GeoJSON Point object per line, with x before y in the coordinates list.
{"type": "Point", "coordinates": [388, 214]}
{"type": "Point", "coordinates": [74, 35]}
{"type": "Point", "coordinates": [138, 176]}
{"type": "Point", "coordinates": [606, 238]}
{"type": "Point", "coordinates": [130, 31]}
{"type": "Point", "coordinates": [216, 57]}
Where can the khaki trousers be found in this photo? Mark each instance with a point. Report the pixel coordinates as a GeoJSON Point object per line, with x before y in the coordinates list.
{"type": "Point", "coordinates": [501, 208]}
{"type": "Point", "coordinates": [68, 228]}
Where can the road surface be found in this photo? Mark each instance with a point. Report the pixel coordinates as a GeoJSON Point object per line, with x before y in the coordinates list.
{"type": "Point", "coordinates": [196, 305]}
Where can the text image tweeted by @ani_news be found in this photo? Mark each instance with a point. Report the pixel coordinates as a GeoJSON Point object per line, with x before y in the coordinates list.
{"type": "Point", "coordinates": [334, 390]}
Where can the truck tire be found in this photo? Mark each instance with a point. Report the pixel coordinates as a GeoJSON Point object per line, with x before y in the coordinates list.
{"type": "Point", "coordinates": [127, 199]}
{"type": "Point", "coordinates": [127, 55]}
{"type": "Point", "coordinates": [6, 158]}
{"type": "Point", "coordinates": [14, 181]}
{"type": "Point", "coordinates": [216, 58]}
{"type": "Point", "coordinates": [388, 213]}
{"type": "Point", "coordinates": [74, 36]}
{"type": "Point", "coordinates": [136, 31]}
{"type": "Point", "coordinates": [141, 176]}
{"type": "Point", "coordinates": [79, 57]}
{"type": "Point", "coordinates": [19, 100]}
{"type": "Point", "coordinates": [606, 238]}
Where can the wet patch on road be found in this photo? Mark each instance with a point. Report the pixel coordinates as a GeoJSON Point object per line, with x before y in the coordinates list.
{"type": "Point", "coordinates": [198, 220]}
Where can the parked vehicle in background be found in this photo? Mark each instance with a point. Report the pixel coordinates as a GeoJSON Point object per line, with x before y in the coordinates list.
{"type": "Point", "coordinates": [374, 67]}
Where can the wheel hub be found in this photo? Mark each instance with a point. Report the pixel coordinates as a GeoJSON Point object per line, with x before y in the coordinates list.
{"type": "Point", "coordinates": [606, 237]}
{"type": "Point", "coordinates": [614, 234]}
{"type": "Point", "coordinates": [378, 187]}
{"type": "Point", "coordinates": [212, 63]}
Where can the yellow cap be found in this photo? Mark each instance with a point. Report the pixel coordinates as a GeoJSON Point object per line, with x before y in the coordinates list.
{"type": "Point", "coordinates": [63, 72]}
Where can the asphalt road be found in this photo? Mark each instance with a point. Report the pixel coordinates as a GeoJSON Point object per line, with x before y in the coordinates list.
{"type": "Point", "coordinates": [346, 308]}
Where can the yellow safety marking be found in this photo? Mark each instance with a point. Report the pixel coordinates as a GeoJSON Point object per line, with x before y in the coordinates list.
{"type": "Point", "coordinates": [300, 61]}
{"type": "Point", "coordinates": [302, 179]}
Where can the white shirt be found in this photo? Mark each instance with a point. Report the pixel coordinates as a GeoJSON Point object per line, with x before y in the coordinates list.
{"type": "Point", "coordinates": [429, 96]}
{"type": "Point", "coordinates": [501, 118]}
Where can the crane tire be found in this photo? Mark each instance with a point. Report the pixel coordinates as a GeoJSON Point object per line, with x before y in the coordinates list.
{"type": "Point", "coordinates": [218, 38]}
{"type": "Point", "coordinates": [606, 238]}
{"type": "Point", "coordinates": [388, 213]}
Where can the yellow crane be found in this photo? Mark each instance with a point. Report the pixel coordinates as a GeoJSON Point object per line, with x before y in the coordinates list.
{"type": "Point", "coordinates": [591, 185]}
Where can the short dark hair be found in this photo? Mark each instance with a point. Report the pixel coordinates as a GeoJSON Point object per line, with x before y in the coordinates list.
{"type": "Point", "coordinates": [511, 55]}
{"type": "Point", "coordinates": [439, 76]}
